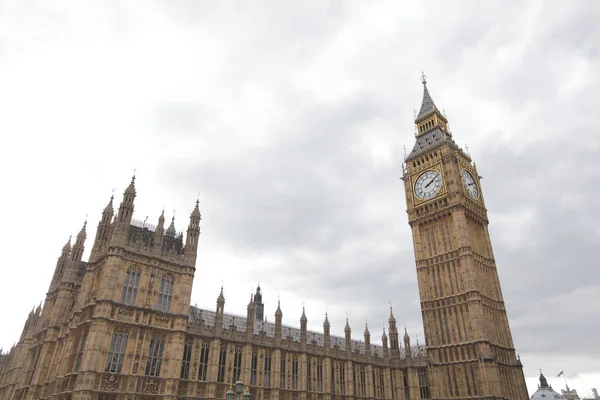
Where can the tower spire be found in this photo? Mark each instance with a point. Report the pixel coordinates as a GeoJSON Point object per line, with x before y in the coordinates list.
{"type": "Point", "coordinates": [126, 207]}
{"type": "Point", "coordinates": [429, 116]}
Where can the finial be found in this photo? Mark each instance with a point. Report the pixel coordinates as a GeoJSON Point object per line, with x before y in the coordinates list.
{"type": "Point", "coordinates": [414, 113]}
{"type": "Point", "coordinates": [404, 148]}
{"type": "Point", "coordinates": [467, 148]}
{"type": "Point", "coordinates": [423, 78]}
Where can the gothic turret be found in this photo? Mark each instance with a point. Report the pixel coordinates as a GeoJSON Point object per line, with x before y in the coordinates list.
{"type": "Point", "coordinates": [303, 326]}
{"type": "Point", "coordinates": [348, 335]}
{"type": "Point", "coordinates": [384, 342]}
{"type": "Point", "coordinates": [60, 266]}
{"type": "Point", "coordinates": [193, 233]}
{"type": "Point", "coordinates": [326, 333]}
{"type": "Point", "coordinates": [367, 336]}
{"type": "Point", "coordinates": [259, 307]}
{"type": "Point", "coordinates": [393, 329]}
{"type": "Point", "coordinates": [407, 350]}
{"type": "Point", "coordinates": [220, 311]}
{"type": "Point", "coordinates": [78, 247]}
{"type": "Point", "coordinates": [126, 207]}
{"type": "Point", "coordinates": [160, 230]}
{"type": "Point", "coordinates": [171, 229]}
{"type": "Point", "coordinates": [71, 271]}
{"type": "Point", "coordinates": [103, 230]}
{"type": "Point", "coordinates": [250, 317]}
{"type": "Point", "coordinates": [278, 321]}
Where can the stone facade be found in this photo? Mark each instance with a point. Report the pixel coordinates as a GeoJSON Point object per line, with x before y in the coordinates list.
{"type": "Point", "coordinates": [120, 326]}
{"type": "Point", "coordinates": [469, 344]}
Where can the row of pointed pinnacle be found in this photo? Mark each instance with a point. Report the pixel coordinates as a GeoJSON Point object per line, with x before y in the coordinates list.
{"type": "Point", "coordinates": [326, 324]}
{"type": "Point", "coordinates": [128, 195]}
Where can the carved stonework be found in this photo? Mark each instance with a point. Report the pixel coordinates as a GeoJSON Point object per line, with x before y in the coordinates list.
{"type": "Point", "coordinates": [150, 385]}
{"type": "Point", "coordinates": [110, 383]}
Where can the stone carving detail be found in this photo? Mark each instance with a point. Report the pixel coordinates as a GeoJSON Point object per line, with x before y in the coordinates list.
{"type": "Point", "coordinates": [110, 383]}
{"type": "Point", "coordinates": [150, 386]}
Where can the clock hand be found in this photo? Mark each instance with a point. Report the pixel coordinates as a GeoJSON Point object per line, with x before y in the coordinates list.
{"type": "Point", "coordinates": [430, 182]}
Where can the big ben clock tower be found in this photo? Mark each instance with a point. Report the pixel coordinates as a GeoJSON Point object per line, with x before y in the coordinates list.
{"type": "Point", "coordinates": [469, 344]}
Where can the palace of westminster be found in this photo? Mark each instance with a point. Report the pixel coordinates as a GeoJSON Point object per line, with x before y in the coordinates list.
{"type": "Point", "coordinates": [120, 326]}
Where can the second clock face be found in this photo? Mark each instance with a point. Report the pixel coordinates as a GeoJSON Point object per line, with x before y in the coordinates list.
{"type": "Point", "coordinates": [470, 184]}
{"type": "Point", "coordinates": [428, 185]}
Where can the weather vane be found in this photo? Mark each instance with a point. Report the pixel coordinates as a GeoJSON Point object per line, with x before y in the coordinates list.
{"type": "Point", "coordinates": [423, 78]}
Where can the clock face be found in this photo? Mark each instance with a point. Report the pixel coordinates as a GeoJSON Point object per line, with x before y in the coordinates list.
{"type": "Point", "coordinates": [470, 184]}
{"type": "Point", "coordinates": [428, 185]}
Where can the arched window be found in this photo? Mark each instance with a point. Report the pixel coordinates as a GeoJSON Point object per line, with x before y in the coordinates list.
{"type": "Point", "coordinates": [165, 294]}
{"type": "Point", "coordinates": [130, 286]}
{"type": "Point", "coordinates": [116, 353]}
{"type": "Point", "coordinates": [155, 353]}
{"type": "Point", "coordinates": [80, 353]}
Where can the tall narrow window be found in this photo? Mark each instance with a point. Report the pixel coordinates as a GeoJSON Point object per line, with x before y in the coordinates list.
{"type": "Point", "coordinates": [333, 386]}
{"type": "Point", "coordinates": [282, 372]}
{"type": "Point", "coordinates": [381, 384]}
{"type": "Point", "coordinates": [80, 353]}
{"type": "Point", "coordinates": [237, 364]}
{"type": "Point", "coordinates": [308, 375]}
{"type": "Point", "coordinates": [155, 353]}
{"type": "Point", "coordinates": [222, 361]}
{"type": "Point", "coordinates": [319, 376]}
{"type": "Point", "coordinates": [165, 294]}
{"type": "Point", "coordinates": [267, 371]}
{"type": "Point", "coordinates": [406, 387]}
{"type": "Point", "coordinates": [130, 286]}
{"type": "Point", "coordinates": [362, 379]}
{"type": "Point", "coordinates": [203, 368]}
{"type": "Point", "coordinates": [342, 380]}
{"type": "Point", "coordinates": [295, 373]}
{"type": "Point", "coordinates": [185, 361]}
{"type": "Point", "coordinates": [354, 381]}
{"type": "Point", "coordinates": [253, 366]}
{"type": "Point", "coordinates": [423, 383]}
{"type": "Point", "coordinates": [116, 352]}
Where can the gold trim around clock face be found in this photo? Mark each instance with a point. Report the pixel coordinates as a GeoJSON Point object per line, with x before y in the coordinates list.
{"type": "Point", "coordinates": [415, 178]}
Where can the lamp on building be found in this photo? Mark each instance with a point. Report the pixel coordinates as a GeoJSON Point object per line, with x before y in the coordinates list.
{"type": "Point", "coordinates": [239, 389]}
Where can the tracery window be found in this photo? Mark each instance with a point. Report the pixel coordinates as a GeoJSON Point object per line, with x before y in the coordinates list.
{"type": "Point", "coordinates": [185, 361]}
{"type": "Point", "coordinates": [342, 379]}
{"type": "Point", "coordinates": [362, 381]}
{"type": "Point", "coordinates": [237, 364]}
{"type": "Point", "coordinates": [423, 383]}
{"type": "Point", "coordinates": [155, 353]}
{"type": "Point", "coordinates": [405, 382]}
{"type": "Point", "coordinates": [295, 373]}
{"type": "Point", "coordinates": [253, 367]}
{"type": "Point", "coordinates": [222, 360]}
{"type": "Point", "coordinates": [267, 371]}
{"type": "Point", "coordinates": [308, 375]}
{"type": "Point", "coordinates": [130, 286]}
{"type": "Point", "coordinates": [116, 352]}
{"type": "Point", "coordinates": [80, 353]}
{"type": "Point", "coordinates": [282, 372]}
{"type": "Point", "coordinates": [204, 352]}
{"type": "Point", "coordinates": [165, 293]}
{"type": "Point", "coordinates": [319, 376]}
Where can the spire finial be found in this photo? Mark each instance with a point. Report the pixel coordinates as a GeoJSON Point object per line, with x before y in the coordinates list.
{"type": "Point", "coordinates": [423, 78]}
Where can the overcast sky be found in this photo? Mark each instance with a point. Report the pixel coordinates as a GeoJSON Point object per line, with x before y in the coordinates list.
{"type": "Point", "coordinates": [289, 118]}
